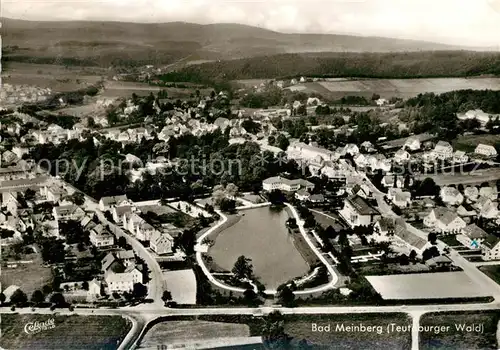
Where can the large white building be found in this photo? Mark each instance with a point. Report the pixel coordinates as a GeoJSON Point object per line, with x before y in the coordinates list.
{"type": "Point", "coordinates": [358, 212]}
{"type": "Point", "coordinates": [283, 184]}
{"type": "Point", "coordinates": [304, 152]}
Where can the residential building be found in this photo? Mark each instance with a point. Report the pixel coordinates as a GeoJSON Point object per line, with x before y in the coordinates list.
{"type": "Point", "coordinates": [410, 239]}
{"type": "Point", "coordinates": [443, 150]}
{"type": "Point", "coordinates": [141, 229]}
{"type": "Point", "coordinates": [399, 181]}
{"type": "Point", "coordinates": [451, 196]}
{"type": "Point", "coordinates": [478, 114]}
{"type": "Point", "coordinates": [122, 279]}
{"type": "Point", "coordinates": [101, 237]}
{"type": "Point", "coordinates": [68, 212]}
{"type": "Point", "coordinates": [471, 193]}
{"type": "Point", "coordinates": [443, 220]}
{"type": "Point", "coordinates": [283, 184]}
{"type": "Point", "coordinates": [385, 226]}
{"type": "Point", "coordinates": [303, 152]}
{"type": "Point", "coordinates": [351, 149]}
{"type": "Point", "coordinates": [472, 236]}
{"type": "Point", "coordinates": [401, 156]}
{"type": "Point", "coordinates": [412, 143]}
{"type": "Point", "coordinates": [486, 150]}
{"type": "Point", "coordinates": [490, 249]}
{"type": "Point", "coordinates": [399, 197]}
{"type": "Point", "coordinates": [466, 212]}
{"type": "Point", "coordinates": [358, 212]}
{"type": "Point", "coordinates": [107, 203]}
{"type": "Point", "coordinates": [460, 157]}
{"type": "Point", "coordinates": [439, 262]}
{"type": "Point", "coordinates": [161, 242]}
{"type": "Point", "coordinates": [118, 212]}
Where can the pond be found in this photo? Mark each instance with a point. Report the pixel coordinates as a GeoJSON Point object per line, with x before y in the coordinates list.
{"type": "Point", "coordinates": [262, 236]}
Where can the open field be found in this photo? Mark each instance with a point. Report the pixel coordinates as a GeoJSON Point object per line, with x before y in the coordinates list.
{"type": "Point", "coordinates": [471, 178]}
{"type": "Point", "coordinates": [404, 88]}
{"type": "Point", "coordinates": [56, 77]}
{"type": "Point", "coordinates": [70, 332]}
{"type": "Point", "coordinates": [453, 338]}
{"type": "Point", "coordinates": [178, 332]}
{"type": "Point", "coordinates": [492, 271]}
{"type": "Point", "coordinates": [29, 277]}
{"type": "Point", "coordinates": [468, 143]}
{"type": "Point", "coordinates": [426, 286]}
{"type": "Point", "coordinates": [337, 339]}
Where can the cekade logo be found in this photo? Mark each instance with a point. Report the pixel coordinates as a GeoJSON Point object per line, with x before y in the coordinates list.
{"type": "Point", "coordinates": [37, 327]}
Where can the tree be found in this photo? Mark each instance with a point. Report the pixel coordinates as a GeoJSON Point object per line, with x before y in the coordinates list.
{"type": "Point", "coordinates": [37, 297]}
{"type": "Point", "coordinates": [250, 297]}
{"type": "Point", "coordinates": [122, 242]}
{"type": "Point", "coordinates": [276, 197]}
{"type": "Point", "coordinates": [432, 237]}
{"type": "Point", "coordinates": [227, 205]}
{"type": "Point", "coordinates": [47, 289]}
{"type": "Point", "coordinates": [57, 299]}
{"type": "Point", "coordinates": [413, 255]}
{"type": "Point", "coordinates": [85, 285]}
{"type": "Point", "coordinates": [271, 140]}
{"type": "Point", "coordinates": [231, 190]}
{"type": "Point", "coordinates": [282, 142]}
{"type": "Point", "coordinates": [167, 296]}
{"type": "Point", "coordinates": [286, 296]}
{"type": "Point", "coordinates": [78, 198]}
{"type": "Point", "coordinates": [273, 331]}
{"type": "Point", "coordinates": [18, 298]}
{"type": "Point", "coordinates": [430, 253]}
{"type": "Point", "coordinates": [139, 291]}
{"type": "Point", "coordinates": [2, 298]}
{"type": "Point", "coordinates": [243, 268]}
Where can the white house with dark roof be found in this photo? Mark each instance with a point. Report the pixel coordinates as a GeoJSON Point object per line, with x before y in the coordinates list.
{"type": "Point", "coordinates": [411, 240]}
{"type": "Point", "coordinates": [472, 236]}
{"type": "Point", "coordinates": [107, 203]}
{"type": "Point", "coordinates": [358, 212]}
{"type": "Point", "coordinates": [399, 198]}
{"type": "Point", "coordinates": [101, 237]}
{"type": "Point", "coordinates": [412, 143]}
{"type": "Point", "coordinates": [451, 196]}
{"type": "Point", "coordinates": [68, 212]}
{"type": "Point", "coordinates": [460, 157]}
{"type": "Point", "coordinates": [444, 220]}
{"type": "Point", "coordinates": [471, 193]}
{"type": "Point", "coordinates": [490, 248]}
{"type": "Point", "coordinates": [402, 156]}
{"type": "Point", "coordinates": [161, 242]}
{"type": "Point", "coordinates": [485, 150]}
{"type": "Point", "coordinates": [443, 150]}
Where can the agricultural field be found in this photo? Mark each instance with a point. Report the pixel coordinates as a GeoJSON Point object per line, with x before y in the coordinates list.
{"type": "Point", "coordinates": [492, 271]}
{"type": "Point", "coordinates": [180, 332]}
{"type": "Point", "coordinates": [56, 77]}
{"type": "Point", "coordinates": [29, 277]}
{"type": "Point", "coordinates": [453, 338]}
{"type": "Point", "coordinates": [405, 88]}
{"type": "Point", "coordinates": [426, 286]}
{"type": "Point", "coordinates": [70, 332]}
{"type": "Point", "coordinates": [302, 328]}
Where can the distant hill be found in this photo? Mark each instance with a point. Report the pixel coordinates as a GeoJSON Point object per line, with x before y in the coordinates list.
{"type": "Point", "coordinates": [118, 43]}
{"type": "Point", "coordinates": [360, 65]}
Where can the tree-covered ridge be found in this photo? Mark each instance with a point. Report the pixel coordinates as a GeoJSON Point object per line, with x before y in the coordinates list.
{"type": "Point", "coordinates": [361, 65]}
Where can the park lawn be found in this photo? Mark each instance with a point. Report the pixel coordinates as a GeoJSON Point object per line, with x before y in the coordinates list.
{"type": "Point", "coordinates": [492, 271]}
{"type": "Point", "coordinates": [460, 339]}
{"type": "Point", "coordinates": [70, 332]}
{"type": "Point", "coordinates": [301, 328]}
{"type": "Point", "coordinates": [186, 331]}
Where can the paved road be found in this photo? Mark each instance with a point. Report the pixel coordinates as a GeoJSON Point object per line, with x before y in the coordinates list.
{"type": "Point", "coordinates": [143, 314]}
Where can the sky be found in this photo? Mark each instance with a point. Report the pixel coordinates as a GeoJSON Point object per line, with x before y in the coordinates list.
{"type": "Point", "coordinates": [457, 22]}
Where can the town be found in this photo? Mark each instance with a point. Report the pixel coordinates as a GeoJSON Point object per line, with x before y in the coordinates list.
{"type": "Point", "coordinates": [158, 206]}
